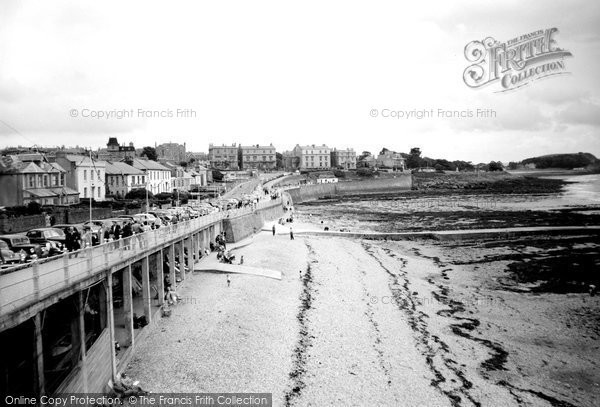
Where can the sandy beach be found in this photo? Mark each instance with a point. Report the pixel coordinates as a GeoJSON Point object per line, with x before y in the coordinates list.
{"type": "Point", "coordinates": [373, 323]}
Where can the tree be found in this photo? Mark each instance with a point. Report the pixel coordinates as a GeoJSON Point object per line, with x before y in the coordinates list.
{"type": "Point", "coordinates": [139, 193]}
{"type": "Point", "coordinates": [217, 175]}
{"type": "Point", "coordinates": [513, 165]}
{"type": "Point", "coordinates": [279, 160]}
{"type": "Point", "coordinates": [414, 158]}
{"type": "Point", "coordinates": [150, 153]}
{"type": "Point", "coordinates": [364, 155]}
{"type": "Point", "coordinates": [184, 164]}
{"type": "Point", "coordinates": [495, 166]}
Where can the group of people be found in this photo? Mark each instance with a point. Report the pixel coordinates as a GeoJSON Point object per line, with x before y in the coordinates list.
{"type": "Point", "coordinates": [75, 240]}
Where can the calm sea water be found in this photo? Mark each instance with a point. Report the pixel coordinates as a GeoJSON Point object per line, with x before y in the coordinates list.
{"type": "Point", "coordinates": [363, 212]}
{"type": "Point", "coordinates": [584, 188]}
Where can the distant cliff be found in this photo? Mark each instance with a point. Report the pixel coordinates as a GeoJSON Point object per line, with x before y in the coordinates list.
{"type": "Point", "coordinates": [564, 161]}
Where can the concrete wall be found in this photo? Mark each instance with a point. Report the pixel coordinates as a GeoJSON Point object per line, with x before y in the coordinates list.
{"type": "Point", "coordinates": [402, 182]}
{"type": "Point", "coordinates": [72, 215]}
{"type": "Point", "coordinates": [243, 226]}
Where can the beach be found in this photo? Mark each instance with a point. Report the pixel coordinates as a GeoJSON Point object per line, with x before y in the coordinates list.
{"type": "Point", "coordinates": [373, 322]}
{"type": "Point", "coordinates": [416, 322]}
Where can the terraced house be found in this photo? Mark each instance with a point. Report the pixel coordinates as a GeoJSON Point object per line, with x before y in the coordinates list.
{"type": "Point", "coordinates": [84, 174]}
{"type": "Point", "coordinates": [258, 157]}
{"type": "Point", "coordinates": [31, 178]}
{"type": "Point", "coordinates": [223, 157]}
{"type": "Point", "coordinates": [344, 159]}
{"type": "Point", "coordinates": [122, 178]}
{"type": "Point", "coordinates": [158, 177]}
{"type": "Point", "coordinates": [313, 157]}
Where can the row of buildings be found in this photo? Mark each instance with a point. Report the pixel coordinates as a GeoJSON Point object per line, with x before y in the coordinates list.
{"type": "Point", "coordinates": [257, 157]}
{"type": "Point", "coordinates": [64, 178]}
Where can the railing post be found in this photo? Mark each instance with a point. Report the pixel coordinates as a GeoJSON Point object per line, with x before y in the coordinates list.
{"type": "Point", "coordinates": [89, 258]}
{"type": "Point", "coordinates": [35, 272]}
{"type": "Point", "coordinates": [66, 268]}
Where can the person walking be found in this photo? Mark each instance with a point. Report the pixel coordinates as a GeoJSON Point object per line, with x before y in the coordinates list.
{"type": "Point", "coordinates": [291, 233]}
{"type": "Point", "coordinates": [273, 229]}
{"type": "Point", "coordinates": [228, 281]}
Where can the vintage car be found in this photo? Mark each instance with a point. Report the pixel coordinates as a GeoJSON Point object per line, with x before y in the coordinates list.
{"type": "Point", "coordinates": [7, 256]}
{"type": "Point", "coordinates": [52, 238]}
{"type": "Point", "coordinates": [20, 244]}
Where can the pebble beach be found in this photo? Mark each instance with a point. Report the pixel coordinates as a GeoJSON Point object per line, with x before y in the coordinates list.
{"type": "Point", "coordinates": [368, 323]}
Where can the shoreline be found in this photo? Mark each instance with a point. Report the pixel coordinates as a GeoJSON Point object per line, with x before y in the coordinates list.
{"type": "Point", "coordinates": [373, 322]}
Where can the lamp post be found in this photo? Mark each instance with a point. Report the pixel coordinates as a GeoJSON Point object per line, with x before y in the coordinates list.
{"type": "Point", "coordinates": [146, 194]}
{"type": "Point", "coordinates": [91, 187]}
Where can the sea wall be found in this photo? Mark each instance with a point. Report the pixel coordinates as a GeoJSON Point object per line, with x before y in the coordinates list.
{"type": "Point", "coordinates": [402, 182]}
{"type": "Point", "coordinates": [241, 226]}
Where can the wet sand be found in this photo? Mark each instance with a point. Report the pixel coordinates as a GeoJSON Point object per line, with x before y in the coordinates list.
{"type": "Point", "coordinates": [379, 323]}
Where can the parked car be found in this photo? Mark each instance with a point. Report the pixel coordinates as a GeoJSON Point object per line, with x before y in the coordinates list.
{"type": "Point", "coordinates": [147, 217]}
{"type": "Point", "coordinates": [20, 244]}
{"type": "Point", "coordinates": [64, 226]}
{"type": "Point", "coordinates": [100, 223]}
{"type": "Point", "coordinates": [7, 256]}
{"type": "Point", "coordinates": [52, 238]}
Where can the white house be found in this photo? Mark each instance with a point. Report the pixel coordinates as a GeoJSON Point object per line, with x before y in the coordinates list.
{"type": "Point", "coordinates": [326, 179]}
{"type": "Point", "coordinates": [158, 177]}
{"type": "Point", "coordinates": [86, 176]}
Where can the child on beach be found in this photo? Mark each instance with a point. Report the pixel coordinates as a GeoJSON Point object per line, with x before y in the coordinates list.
{"type": "Point", "coordinates": [291, 233]}
{"type": "Point", "coordinates": [228, 281]}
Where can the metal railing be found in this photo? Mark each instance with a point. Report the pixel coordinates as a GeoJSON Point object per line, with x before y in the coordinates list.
{"type": "Point", "coordinates": [27, 283]}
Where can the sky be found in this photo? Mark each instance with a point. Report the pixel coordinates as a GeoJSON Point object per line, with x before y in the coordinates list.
{"type": "Point", "coordinates": [290, 73]}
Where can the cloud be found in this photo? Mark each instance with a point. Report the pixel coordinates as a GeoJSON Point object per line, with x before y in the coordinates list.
{"type": "Point", "coordinates": [582, 112]}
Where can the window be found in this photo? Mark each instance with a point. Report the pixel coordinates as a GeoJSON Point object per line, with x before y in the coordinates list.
{"type": "Point", "coordinates": [91, 175]}
{"type": "Point", "coordinates": [31, 181]}
{"type": "Point", "coordinates": [85, 175]}
{"type": "Point", "coordinates": [85, 192]}
{"type": "Point", "coordinates": [99, 192]}
{"type": "Point", "coordinates": [45, 180]}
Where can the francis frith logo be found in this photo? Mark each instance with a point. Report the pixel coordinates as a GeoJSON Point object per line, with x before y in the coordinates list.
{"type": "Point", "coordinates": [514, 63]}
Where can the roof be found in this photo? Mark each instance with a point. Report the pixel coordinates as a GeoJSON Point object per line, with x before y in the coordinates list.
{"type": "Point", "coordinates": [64, 191]}
{"type": "Point", "coordinates": [314, 147]}
{"type": "Point", "coordinates": [256, 146]}
{"type": "Point", "coordinates": [148, 165]}
{"type": "Point", "coordinates": [40, 192]}
{"type": "Point", "coordinates": [121, 168]}
{"type": "Point", "coordinates": [82, 160]}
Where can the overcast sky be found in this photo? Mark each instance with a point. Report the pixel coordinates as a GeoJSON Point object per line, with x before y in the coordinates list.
{"type": "Point", "coordinates": [292, 72]}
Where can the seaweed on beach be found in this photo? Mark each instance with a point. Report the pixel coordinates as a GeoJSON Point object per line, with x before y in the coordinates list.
{"type": "Point", "coordinates": [434, 350]}
{"type": "Point", "coordinates": [558, 264]}
{"type": "Point", "coordinates": [304, 339]}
